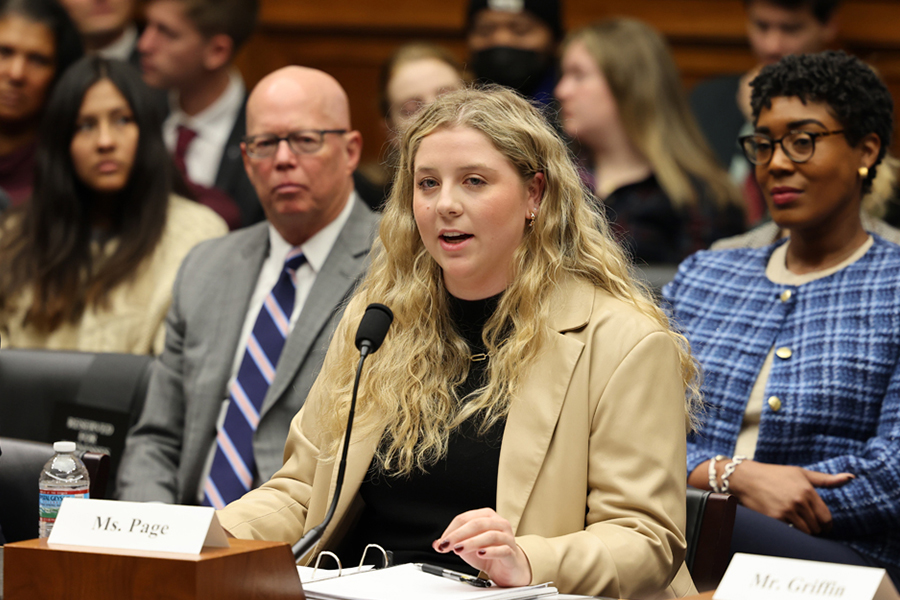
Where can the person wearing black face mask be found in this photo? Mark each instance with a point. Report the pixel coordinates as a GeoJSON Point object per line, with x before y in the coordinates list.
{"type": "Point", "coordinates": [513, 43]}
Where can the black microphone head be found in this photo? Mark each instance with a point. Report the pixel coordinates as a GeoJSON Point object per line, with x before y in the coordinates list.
{"type": "Point", "coordinates": [373, 327]}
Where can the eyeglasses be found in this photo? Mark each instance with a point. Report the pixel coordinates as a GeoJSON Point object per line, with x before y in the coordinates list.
{"type": "Point", "coordinates": [305, 141]}
{"type": "Point", "coordinates": [799, 146]}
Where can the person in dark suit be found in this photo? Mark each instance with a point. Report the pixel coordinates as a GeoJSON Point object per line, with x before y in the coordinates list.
{"type": "Point", "coordinates": [187, 48]}
{"type": "Point", "coordinates": [300, 154]}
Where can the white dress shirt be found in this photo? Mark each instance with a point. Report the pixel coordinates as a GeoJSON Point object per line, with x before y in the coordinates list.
{"type": "Point", "coordinates": [316, 250]}
{"type": "Point", "coordinates": [213, 126]}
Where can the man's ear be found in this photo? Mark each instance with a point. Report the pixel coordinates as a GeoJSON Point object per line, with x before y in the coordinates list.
{"type": "Point", "coordinates": [353, 148]}
{"type": "Point", "coordinates": [217, 52]}
{"type": "Point", "coordinates": [246, 159]}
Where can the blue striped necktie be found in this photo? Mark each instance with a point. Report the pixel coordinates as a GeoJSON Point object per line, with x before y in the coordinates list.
{"type": "Point", "coordinates": [234, 466]}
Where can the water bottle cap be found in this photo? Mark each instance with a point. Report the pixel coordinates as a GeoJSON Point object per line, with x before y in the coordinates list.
{"type": "Point", "coordinates": [64, 446]}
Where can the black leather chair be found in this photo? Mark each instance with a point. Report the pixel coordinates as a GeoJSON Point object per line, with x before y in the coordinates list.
{"type": "Point", "coordinates": [90, 398]}
{"type": "Point", "coordinates": [710, 523]}
{"type": "Point", "coordinates": [20, 468]}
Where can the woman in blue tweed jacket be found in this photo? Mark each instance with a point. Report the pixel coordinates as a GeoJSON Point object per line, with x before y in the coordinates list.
{"type": "Point", "coordinates": [799, 341]}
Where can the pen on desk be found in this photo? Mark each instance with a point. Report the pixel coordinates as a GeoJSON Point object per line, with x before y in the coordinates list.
{"type": "Point", "coordinates": [455, 576]}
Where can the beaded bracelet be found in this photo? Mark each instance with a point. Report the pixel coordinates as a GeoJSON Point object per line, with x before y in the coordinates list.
{"type": "Point", "coordinates": [713, 484]}
{"type": "Point", "coordinates": [729, 469]}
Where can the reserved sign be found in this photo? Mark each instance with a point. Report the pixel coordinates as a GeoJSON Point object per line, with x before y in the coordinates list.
{"type": "Point", "coordinates": [753, 577]}
{"type": "Point", "coordinates": [137, 526]}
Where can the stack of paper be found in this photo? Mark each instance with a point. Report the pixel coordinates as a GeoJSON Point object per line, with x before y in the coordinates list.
{"type": "Point", "coordinates": [408, 582]}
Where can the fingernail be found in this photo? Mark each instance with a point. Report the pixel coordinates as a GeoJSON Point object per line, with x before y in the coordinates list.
{"type": "Point", "coordinates": [444, 545]}
{"type": "Point", "coordinates": [482, 552]}
{"type": "Point", "coordinates": [458, 548]}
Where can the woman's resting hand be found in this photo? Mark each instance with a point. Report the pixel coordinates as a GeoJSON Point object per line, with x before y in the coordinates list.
{"type": "Point", "coordinates": [485, 540]}
{"type": "Point", "coordinates": [786, 493]}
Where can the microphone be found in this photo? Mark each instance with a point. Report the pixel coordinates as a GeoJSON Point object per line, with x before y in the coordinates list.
{"type": "Point", "coordinates": [371, 332]}
{"type": "Point", "coordinates": [373, 327]}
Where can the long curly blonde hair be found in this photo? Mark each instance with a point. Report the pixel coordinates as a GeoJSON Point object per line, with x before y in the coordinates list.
{"type": "Point", "coordinates": [408, 391]}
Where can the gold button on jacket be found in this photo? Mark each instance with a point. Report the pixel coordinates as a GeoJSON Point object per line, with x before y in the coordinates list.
{"type": "Point", "coordinates": [784, 352]}
{"type": "Point", "coordinates": [774, 403]}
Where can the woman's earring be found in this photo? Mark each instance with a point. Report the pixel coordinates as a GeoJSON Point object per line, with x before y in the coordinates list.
{"type": "Point", "coordinates": [864, 172]}
{"type": "Point", "coordinates": [531, 220]}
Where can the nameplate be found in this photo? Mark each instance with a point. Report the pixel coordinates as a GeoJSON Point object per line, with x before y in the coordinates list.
{"type": "Point", "coordinates": [137, 526]}
{"type": "Point", "coordinates": [753, 577]}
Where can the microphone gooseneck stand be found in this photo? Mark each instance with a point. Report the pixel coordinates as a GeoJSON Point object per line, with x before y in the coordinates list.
{"type": "Point", "coordinates": [372, 329]}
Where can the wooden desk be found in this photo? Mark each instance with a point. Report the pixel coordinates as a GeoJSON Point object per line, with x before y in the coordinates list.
{"type": "Point", "coordinates": [247, 570]}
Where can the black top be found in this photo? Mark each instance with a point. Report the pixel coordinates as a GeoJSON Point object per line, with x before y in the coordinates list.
{"type": "Point", "coordinates": [405, 514]}
{"type": "Point", "coordinates": [656, 232]}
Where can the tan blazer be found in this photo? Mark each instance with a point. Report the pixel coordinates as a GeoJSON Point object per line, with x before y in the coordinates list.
{"type": "Point", "coordinates": [592, 463]}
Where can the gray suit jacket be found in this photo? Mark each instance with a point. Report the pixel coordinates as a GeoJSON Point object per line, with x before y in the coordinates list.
{"type": "Point", "coordinates": [166, 452]}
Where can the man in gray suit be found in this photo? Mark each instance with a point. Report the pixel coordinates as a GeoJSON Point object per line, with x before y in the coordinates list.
{"type": "Point", "coordinates": [300, 153]}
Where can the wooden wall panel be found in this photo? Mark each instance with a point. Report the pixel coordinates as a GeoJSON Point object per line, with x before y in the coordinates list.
{"type": "Point", "coordinates": [352, 38]}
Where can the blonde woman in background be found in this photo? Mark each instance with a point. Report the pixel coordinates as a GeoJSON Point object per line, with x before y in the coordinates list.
{"type": "Point", "coordinates": [411, 79]}
{"type": "Point", "coordinates": [622, 100]}
{"type": "Point", "coordinates": [526, 414]}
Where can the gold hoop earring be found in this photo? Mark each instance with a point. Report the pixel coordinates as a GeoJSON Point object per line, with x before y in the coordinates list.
{"type": "Point", "coordinates": [531, 218]}
{"type": "Point", "coordinates": [864, 172]}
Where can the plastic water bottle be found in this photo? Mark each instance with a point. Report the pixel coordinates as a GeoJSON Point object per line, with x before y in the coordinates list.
{"type": "Point", "coordinates": [64, 476]}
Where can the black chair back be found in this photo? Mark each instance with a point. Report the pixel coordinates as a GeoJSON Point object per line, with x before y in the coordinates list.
{"type": "Point", "coordinates": [20, 469]}
{"type": "Point", "coordinates": [90, 398]}
{"type": "Point", "coordinates": [710, 523]}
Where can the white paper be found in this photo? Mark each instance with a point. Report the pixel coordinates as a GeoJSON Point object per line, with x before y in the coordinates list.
{"type": "Point", "coordinates": [753, 577]}
{"type": "Point", "coordinates": [137, 526]}
{"type": "Point", "coordinates": [408, 582]}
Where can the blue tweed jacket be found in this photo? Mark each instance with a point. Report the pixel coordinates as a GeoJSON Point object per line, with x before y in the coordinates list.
{"type": "Point", "coordinates": [839, 389]}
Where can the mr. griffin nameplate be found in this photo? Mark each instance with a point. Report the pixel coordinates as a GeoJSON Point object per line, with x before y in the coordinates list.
{"type": "Point", "coordinates": [753, 577]}
{"type": "Point", "coordinates": [137, 526]}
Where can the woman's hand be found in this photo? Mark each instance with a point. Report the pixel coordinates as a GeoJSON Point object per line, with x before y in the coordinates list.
{"type": "Point", "coordinates": [485, 540]}
{"type": "Point", "coordinates": [786, 493]}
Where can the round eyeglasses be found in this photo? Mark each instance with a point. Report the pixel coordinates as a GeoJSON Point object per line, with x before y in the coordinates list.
{"type": "Point", "coordinates": [305, 141]}
{"type": "Point", "coordinates": [799, 146]}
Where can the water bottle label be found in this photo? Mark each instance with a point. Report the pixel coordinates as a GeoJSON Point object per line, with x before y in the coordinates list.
{"type": "Point", "coordinates": [50, 500]}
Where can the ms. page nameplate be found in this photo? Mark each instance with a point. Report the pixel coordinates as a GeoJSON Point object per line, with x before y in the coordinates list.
{"type": "Point", "coordinates": [137, 526]}
{"type": "Point", "coordinates": [753, 577]}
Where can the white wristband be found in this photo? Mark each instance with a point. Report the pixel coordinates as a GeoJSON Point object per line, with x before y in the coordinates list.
{"type": "Point", "coordinates": [729, 469]}
{"type": "Point", "coordinates": [713, 484]}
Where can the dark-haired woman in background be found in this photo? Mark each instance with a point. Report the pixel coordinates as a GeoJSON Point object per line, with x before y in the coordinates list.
{"type": "Point", "coordinates": [799, 341]}
{"type": "Point", "coordinates": [622, 100]}
{"type": "Point", "coordinates": [89, 263]}
{"type": "Point", "coordinates": [37, 43]}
